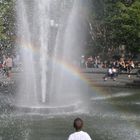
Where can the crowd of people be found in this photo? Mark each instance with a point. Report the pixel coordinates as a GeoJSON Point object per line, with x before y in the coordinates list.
{"type": "Point", "coordinates": [90, 62]}
{"type": "Point", "coordinates": [114, 67]}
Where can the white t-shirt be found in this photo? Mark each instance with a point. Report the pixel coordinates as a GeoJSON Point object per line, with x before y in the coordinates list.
{"type": "Point", "coordinates": [110, 71]}
{"type": "Point", "coordinates": [81, 135]}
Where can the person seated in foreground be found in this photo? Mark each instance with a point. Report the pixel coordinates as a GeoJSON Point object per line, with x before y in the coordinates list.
{"type": "Point", "coordinates": [112, 73]}
{"type": "Point", "coordinates": [79, 134]}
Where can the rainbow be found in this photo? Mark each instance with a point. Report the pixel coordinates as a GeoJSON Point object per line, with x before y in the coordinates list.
{"type": "Point", "coordinates": [68, 68]}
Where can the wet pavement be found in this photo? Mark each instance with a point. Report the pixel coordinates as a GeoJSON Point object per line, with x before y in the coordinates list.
{"type": "Point", "coordinates": [96, 76]}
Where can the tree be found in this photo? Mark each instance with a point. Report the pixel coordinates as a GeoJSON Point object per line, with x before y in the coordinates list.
{"type": "Point", "coordinates": [125, 25]}
{"type": "Point", "coordinates": [7, 24]}
{"type": "Point", "coordinates": [115, 23]}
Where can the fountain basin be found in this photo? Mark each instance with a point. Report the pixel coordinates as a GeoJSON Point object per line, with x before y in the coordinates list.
{"type": "Point", "coordinates": [50, 109]}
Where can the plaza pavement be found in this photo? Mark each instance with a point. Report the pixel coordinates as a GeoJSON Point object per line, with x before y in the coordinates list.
{"type": "Point", "coordinates": [94, 76]}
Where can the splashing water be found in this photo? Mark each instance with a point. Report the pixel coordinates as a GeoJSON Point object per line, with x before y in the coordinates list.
{"type": "Point", "coordinates": [51, 35]}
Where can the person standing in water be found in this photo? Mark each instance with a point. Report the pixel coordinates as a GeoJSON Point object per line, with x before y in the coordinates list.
{"type": "Point", "coordinates": [79, 134]}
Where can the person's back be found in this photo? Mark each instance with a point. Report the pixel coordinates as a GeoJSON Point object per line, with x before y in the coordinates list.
{"type": "Point", "coordinates": [79, 134]}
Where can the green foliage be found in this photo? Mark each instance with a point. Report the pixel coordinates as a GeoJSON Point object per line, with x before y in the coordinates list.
{"type": "Point", "coordinates": [118, 23]}
{"type": "Point", "coordinates": [7, 24]}
{"type": "Point", "coordinates": [114, 23]}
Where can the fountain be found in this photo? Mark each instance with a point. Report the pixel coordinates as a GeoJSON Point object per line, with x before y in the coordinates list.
{"type": "Point", "coordinates": [50, 36]}
{"type": "Point", "coordinates": [51, 90]}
